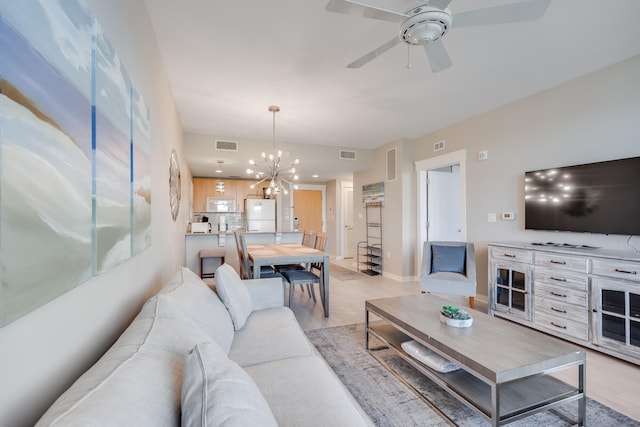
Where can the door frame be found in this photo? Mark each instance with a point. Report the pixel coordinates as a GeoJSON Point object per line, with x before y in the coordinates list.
{"type": "Point", "coordinates": [322, 188]}
{"type": "Point", "coordinates": [422, 166]}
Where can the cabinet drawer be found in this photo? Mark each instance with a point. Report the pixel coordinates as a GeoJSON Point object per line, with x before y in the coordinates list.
{"type": "Point", "coordinates": [562, 326]}
{"type": "Point", "coordinates": [560, 310]}
{"type": "Point", "coordinates": [560, 279]}
{"type": "Point", "coordinates": [565, 262]}
{"type": "Point", "coordinates": [511, 254]}
{"type": "Point", "coordinates": [561, 294]}
{"type": "Point", "coordinates": [618, 269]}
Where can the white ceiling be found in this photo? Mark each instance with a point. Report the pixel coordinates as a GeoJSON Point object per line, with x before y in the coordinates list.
{"type": "Point", "coordinates": [227, 60]}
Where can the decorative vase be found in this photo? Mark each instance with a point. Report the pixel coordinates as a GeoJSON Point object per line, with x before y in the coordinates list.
{"type": "Point", "coordinates": [456, 323]}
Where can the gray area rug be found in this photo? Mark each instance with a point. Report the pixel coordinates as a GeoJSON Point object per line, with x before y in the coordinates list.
{"type": "Point", "coordinates": [391, 403]}
{"type": "Point", "coordinates": [344, 274]}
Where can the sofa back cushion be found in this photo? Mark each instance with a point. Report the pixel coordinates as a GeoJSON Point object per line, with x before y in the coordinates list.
{"type": "Point", "coordinates": [234, 294]}
{"type": "Point", "coordinates": [193, 298]}
{"type": "Point", "coordinates": [138, 381]}
{"type": "Point", "coordinates": [217, 392]}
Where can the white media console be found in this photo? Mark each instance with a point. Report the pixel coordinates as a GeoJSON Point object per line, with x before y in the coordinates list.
{"type": "Point", "coordinates": [586, 295]}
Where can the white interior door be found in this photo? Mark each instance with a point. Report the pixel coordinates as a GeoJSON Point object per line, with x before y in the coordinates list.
{"type": "Point", "coordinates": [443, 205]}
{"type": "Point", "coordinates": [348, 241]}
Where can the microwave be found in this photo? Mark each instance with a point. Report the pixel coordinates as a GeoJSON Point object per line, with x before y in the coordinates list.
{"type": "Point", "coordinates": [215, 204]}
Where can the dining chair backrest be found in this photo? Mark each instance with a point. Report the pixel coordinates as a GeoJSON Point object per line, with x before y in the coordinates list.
{"type": "Point", "coordinates": [321, 243]}
{"type": "Point", "coordinates": [308, 238]}
{"type": "Point", "coordinates": [244, 273]}
{"type": "Point", "coordinates": [245, 256]}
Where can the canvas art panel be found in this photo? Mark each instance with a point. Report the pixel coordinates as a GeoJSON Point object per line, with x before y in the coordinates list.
{"type": "Point", "coordinates": [75, 148]}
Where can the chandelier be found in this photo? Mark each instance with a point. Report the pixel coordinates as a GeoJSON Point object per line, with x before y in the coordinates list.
{"type": "Point", "coordinates": [280, 176]}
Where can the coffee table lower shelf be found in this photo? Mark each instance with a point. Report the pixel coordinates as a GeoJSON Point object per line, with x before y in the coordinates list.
{"type": "Point", "coordinates": [517, 399]}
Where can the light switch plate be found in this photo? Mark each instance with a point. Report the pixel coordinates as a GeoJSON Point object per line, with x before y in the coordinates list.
{"type": "Point", "coordinates": [491, 217]}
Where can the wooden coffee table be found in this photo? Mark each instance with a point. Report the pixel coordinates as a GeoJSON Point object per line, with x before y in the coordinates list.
{"type": "Point", "coordinates": [505, 366]}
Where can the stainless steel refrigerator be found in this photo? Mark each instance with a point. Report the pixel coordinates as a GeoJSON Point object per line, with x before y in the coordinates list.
{"type": "Point", "coordinates": [261, 214]}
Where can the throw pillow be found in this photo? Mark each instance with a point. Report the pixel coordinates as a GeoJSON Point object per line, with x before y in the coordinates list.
{"type": "Point", "coordinates": [234, 294]}
{"type": "Point", "coordinates": [429, 357]}
{"type": "Point", "coordinates": [448, 258]}
{"type": "Point", "coordinates": [218, 392]}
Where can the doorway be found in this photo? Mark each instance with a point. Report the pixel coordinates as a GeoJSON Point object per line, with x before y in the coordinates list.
{"type": "Point", "coordinates": [440, 226]}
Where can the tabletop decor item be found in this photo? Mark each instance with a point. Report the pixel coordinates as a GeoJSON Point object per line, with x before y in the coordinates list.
{"type": "Point", "coordinates": [451, 315]}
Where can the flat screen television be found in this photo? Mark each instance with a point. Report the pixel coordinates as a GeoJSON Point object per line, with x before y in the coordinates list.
{"type": "Point", "coordinates": [601, 197]}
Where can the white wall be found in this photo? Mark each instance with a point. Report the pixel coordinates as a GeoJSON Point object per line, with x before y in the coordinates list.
{"type": "Point", "coordinates": [42, 353]}
{"type": "Point", "coordinates": [593, 118]}
{"type": "Point", "coordinates": [590, 119]}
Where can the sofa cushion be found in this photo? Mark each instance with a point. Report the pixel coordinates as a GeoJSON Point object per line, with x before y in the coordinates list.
{"type": "Point", "coordinates": [269, 335]}
{"type": "Point", "coordinates": [304, 391]}
{"type": "Point", "coordinates": [217, 392]}
{"type": "Point", "coordinates": [138, 381]}
{"type": "Point", "coordinates": [189, 294]}
{"type": "Point", "coordinates": [233, 294]}
{"type": "Point", "coordinates": [448, 259]}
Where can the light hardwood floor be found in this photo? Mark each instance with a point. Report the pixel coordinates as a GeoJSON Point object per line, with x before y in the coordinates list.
{"type": "Point", "coordinates": [610, 381]}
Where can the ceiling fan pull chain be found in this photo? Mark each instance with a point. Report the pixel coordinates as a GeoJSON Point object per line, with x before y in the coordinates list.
{"type": "Point", "coordinates": [408, 56]}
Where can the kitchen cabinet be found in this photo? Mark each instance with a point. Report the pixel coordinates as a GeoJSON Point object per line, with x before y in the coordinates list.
{"type": "Point", "coordinates": [235, 189]}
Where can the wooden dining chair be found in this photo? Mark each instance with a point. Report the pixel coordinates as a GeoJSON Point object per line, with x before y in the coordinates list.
{"type": "Point", "coordinates": [308, 239]}
{"type": "Point", "coordinates": [308, 277]}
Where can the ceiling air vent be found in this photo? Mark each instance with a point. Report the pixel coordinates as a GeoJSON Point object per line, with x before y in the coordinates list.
{"type": "Point", "coordinates": [391, 165]}
{"type": "Point", "coordinates": [227, 145]}
{"type": "Point", "coordinates": [347, 155]}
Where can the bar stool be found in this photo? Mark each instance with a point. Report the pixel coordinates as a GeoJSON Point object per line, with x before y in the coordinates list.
{"type": "Point", "coordinates": [210, 253]}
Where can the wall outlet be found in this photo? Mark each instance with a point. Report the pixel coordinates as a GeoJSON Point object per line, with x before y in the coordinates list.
{"type": "Point", "coordinates": [491, 217]}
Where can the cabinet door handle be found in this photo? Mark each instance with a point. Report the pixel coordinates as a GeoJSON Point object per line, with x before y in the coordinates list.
{"type": "Point", "coordinates": [509, 255]}
{"type": "Point", "coordinates": [558, 326]}
{"type": "Point", "coordinates": [558, 262]}
{"type": "Point", "coordinates": [617, 270]}
{"type": "Point", "coordinates": [555, 294]}
{"type": "Point", "coordinates": [557, 310]}
{"type": "Point", "coordinates": [558, 279]}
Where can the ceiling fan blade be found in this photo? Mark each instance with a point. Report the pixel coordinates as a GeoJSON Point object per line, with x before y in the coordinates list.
{"type": "Point", "coordinates": [523, 11]}
{"type": "Point", "coordinates": [440, 4]}
{"type": "Point", "coordinates": [374, 53]}
{"type": "Point", "coordinates": [357, 9]}
{"type": "Point", "coordinates": [437, 55]}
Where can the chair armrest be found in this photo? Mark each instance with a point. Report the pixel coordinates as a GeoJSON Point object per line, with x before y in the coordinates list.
{"type": "Point", "coordinates": [265, 293]}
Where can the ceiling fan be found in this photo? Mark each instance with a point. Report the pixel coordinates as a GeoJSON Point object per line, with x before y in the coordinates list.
{"type": "Point", "coordinates": [427, 21]}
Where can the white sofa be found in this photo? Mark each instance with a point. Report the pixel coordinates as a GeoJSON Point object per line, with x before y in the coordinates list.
{"type": "Point", "coordinates": [189, 358]}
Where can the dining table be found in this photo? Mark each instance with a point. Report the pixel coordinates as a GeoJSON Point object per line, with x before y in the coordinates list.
{"type": "Point", "coordinates": [291, 253]}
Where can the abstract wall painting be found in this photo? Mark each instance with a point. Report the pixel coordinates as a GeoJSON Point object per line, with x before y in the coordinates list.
{"type": "Point", "coordinates": [66, 208]}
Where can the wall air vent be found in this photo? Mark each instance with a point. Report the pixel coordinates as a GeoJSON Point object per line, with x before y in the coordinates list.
{"type": "Point", "coordinates": [391, 165]}
{"type": "Point", "coordinates": [227, 145]}
{"type": "Point", "coordinates": [347, 155]}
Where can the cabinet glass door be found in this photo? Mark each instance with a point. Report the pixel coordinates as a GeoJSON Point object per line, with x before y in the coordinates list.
{"type": "Point", "coordinates": [617, 311]}
{"type": "Point", "coordinates": [511, 291]}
